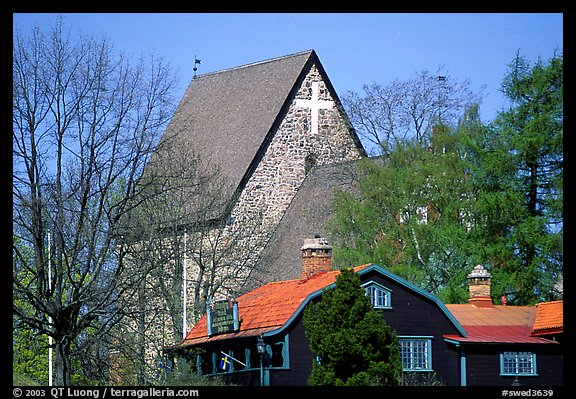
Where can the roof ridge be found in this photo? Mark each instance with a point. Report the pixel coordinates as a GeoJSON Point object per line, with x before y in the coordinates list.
{"type": "Point", "coordinates": [303, 280]}
{"type": "Point", "coordinates": [282, 57]}
{"type": "Point", "coordinates": [495, 306]}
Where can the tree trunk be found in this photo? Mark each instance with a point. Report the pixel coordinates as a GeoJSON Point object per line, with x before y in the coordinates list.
{"type": "Point", "coordinates": [63, 374]}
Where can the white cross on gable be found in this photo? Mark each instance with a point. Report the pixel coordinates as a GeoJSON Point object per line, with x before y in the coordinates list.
{"type": "Point", "coordinates": [314, 104]}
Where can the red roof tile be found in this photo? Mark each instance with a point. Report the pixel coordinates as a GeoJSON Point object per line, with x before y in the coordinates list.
{"type": "Point", "coordinates": [266, 308]}
{"type": "Point", "coordinates": [496, 315]}
{"type": "Point", "coordinates": [499, 334]}
{"type": "Point", "coordinates": [549, 318]}
{"type": "Point", "coordinates": [496, 324]}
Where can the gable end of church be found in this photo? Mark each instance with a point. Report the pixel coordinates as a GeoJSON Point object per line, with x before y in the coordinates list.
{"type": "Point", "coordinates": [311, 129]}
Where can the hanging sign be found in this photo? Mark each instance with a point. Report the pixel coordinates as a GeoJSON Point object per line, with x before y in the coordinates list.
{"type": "Point", "coordinates": [222, 317]}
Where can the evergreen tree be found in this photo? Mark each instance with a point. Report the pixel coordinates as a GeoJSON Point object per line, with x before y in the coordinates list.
{"type": "Point", "coordinates": [353, 343]}
{"type": "Point", "coordinates": [518, 177]}
{"type": "Point", "coordinates": [478, 195]}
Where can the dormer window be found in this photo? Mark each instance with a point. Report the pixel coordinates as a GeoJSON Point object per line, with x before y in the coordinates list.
{"type": "Point", "coordinates": [380, 296]}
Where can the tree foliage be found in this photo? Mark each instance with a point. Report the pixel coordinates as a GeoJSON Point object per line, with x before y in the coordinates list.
{"type": "Point", "coordinates": [476, 194]}
{"type": "Point", "coordinates": [29, 349]}
{"type": "Point", "coordinates": [411, 214]}
{"type": "Point", "coordinates": [518, 174]}
{"type": "Point", "coordinates": [352, 342]}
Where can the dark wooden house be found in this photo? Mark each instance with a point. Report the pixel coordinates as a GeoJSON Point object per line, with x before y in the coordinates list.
{"type": "Point", "coordinates": [505, 344]}
{"type": "Point", "coordinates": [468, 344]}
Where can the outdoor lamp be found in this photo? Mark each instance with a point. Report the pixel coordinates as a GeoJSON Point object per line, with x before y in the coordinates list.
{"type": "Point", "coordinates": [261, 346]}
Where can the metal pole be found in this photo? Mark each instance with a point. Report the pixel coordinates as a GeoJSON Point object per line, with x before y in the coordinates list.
{"type": "Point", "coordinates": [261, 346]}
{"type": "Point", "coordinates": [184, 288]}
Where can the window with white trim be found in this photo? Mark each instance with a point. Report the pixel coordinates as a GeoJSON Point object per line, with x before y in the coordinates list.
{"type": "Point", "coordinates": [422, 212]}
{"type": "Point", "coordinates": [518, 363]}
{"type": "Point", "coordinates": [416, 353]}
{"type": "Point", "coordinates": [380, 297]}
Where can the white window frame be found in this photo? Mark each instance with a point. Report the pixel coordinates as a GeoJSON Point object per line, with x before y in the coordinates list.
{"type": "Point", "coordinates": [514, 363]}
{"type": "Point", "coordinates": [415, 347]}
{"type": "Point", "coordinates": [382, 292]}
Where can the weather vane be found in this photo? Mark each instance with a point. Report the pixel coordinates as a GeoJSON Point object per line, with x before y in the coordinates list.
{"type": "Point", "coordinates": [196, 61]}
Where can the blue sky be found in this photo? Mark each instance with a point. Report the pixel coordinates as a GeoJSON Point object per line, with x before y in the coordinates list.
{"type": "Point", "coordinates": [354, 48]}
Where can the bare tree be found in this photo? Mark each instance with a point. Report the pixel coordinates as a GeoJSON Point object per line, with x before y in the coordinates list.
{"type": "Point", "coordinates": [85, 122]}
{"type": "Point", "coordinates": [188, 246]}
{"type": "Point", "coordinates": [408, 110]}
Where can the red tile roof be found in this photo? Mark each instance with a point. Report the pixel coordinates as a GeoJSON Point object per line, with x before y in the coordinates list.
{"type": "Point", "coordinates": [496, 315]}
{"type": "Point", "coordinates": [499, 334]}
{"type": "Point", "coordinates": [496, 324]}
{"type": "Point", "coordinates": [266, 308]}
{"type": "Point", "coordinates": [549, 318]}
{"type": "Point", "coordinates": [271, 306]}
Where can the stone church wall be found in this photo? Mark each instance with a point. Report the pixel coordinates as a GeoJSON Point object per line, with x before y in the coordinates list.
{"type": "Point", "coordinates": [283, 167]}
{"type": "Point", "coordinates": [279, 175]}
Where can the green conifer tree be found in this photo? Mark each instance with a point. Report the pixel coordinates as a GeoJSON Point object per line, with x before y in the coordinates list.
{"type": "Point", "coordinates": [353, 343]}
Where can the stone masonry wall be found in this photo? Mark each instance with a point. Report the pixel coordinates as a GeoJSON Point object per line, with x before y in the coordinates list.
{"type": "Point", "coordinates": [281, 172]}
{"type": "Point", "coordinates": [282, 169]}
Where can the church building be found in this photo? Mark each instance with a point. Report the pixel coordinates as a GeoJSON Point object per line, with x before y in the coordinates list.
{"type": "Point", "coordinates": [274, 138]}
{"type": "Point", "coordinates": [271, 128]}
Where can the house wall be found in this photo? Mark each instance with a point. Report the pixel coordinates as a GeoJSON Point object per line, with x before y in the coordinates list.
{"type": "Point", "coordinates": [301, 358]}
{"type": "Point", "coordinates": [483, 365]}
{"type": "Point", "coordinates": [414, 315]}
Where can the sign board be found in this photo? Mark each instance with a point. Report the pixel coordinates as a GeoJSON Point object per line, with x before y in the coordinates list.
{"type": "Point", "coordinates": [222, 317]}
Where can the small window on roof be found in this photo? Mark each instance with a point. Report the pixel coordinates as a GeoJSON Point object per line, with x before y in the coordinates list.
{"type": "Point", "coordinates": [380, 296]}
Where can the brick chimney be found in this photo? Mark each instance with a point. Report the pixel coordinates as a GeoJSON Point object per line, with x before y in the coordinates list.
{"type": "Point", "coordinates": [316, 256]}
{"type": "Point", "coordinates": [479, 287]}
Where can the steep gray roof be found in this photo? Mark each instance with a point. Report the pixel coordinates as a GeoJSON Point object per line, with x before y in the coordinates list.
{"type": "Point", "coordinates": [227, 115]}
